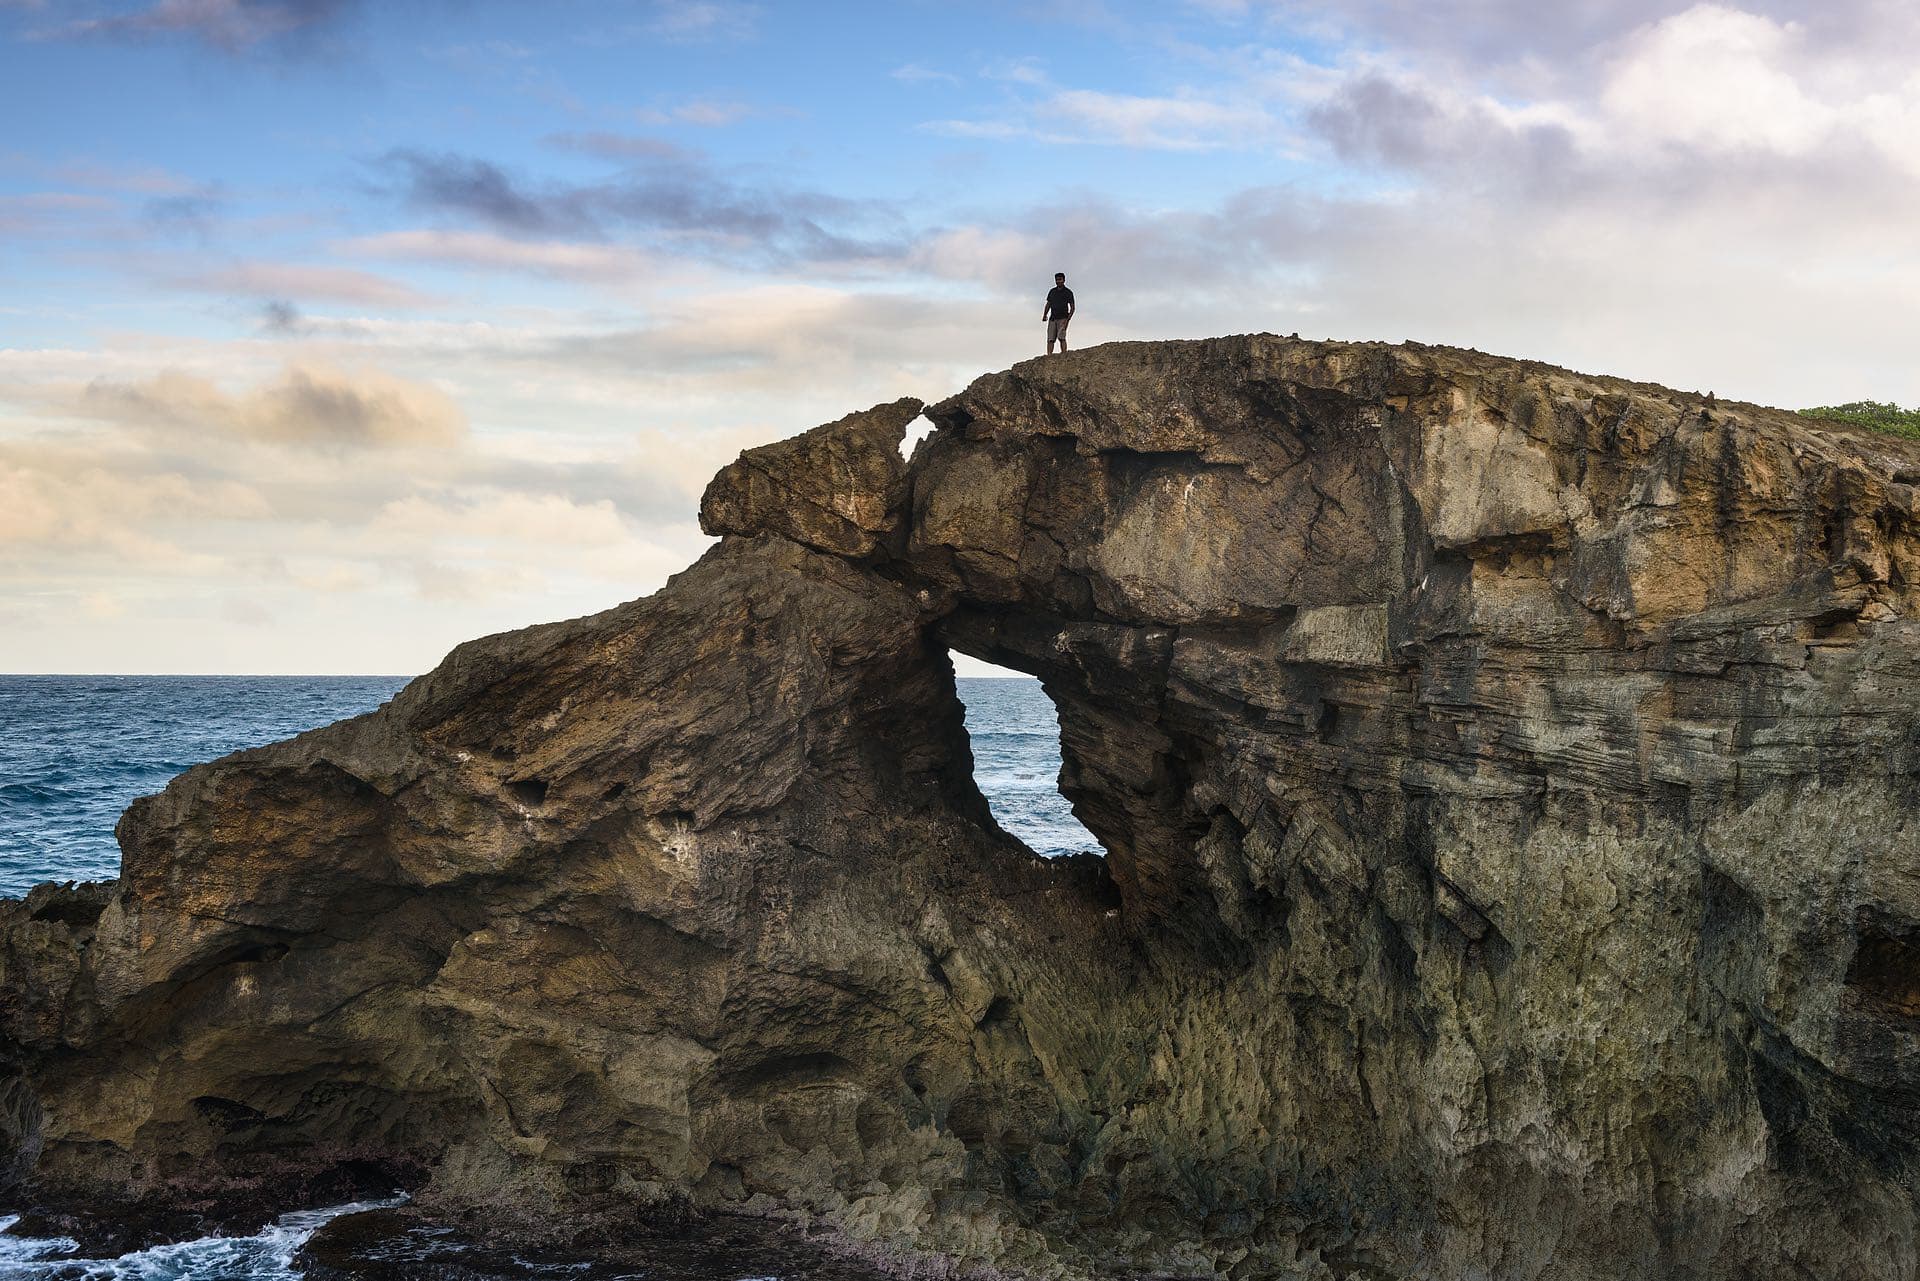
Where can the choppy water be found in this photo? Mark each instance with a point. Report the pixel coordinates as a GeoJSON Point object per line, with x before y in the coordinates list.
{"type": "Point", "coordinates": [268, 1255]}
{"type": "Point", "coordinates": [74, 750]}
{"type": "Point", "coordinates": [1016, 761]}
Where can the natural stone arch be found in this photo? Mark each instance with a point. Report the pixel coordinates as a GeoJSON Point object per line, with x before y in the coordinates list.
{"type": "Point", "coordinates": [1509, 779]}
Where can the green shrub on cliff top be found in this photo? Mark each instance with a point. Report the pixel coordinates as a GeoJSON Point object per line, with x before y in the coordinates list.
{"type": "Point", "coordinates": [1877, 414]}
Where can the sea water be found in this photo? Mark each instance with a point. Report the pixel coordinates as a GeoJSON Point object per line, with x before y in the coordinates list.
{"type": "Point", "coordinates": [267, 1255]}
{"type": "Point", "coordinates": [74, 750]}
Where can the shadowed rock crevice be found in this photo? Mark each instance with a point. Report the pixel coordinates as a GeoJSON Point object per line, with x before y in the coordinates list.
{"type": "Point", "coordinates": [1508, 778]}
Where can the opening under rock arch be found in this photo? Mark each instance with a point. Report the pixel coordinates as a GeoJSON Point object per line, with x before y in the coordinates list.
{"type": "Point", "coordinates": [1015, 733]}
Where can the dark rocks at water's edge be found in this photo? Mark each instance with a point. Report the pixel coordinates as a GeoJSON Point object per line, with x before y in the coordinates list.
{"type": "Point", "coordinates": [1509, 784]}
{"type": "Point", "coordinates": [404, 1244]}
{"type": "Point", "coordinates": [109, 1226]}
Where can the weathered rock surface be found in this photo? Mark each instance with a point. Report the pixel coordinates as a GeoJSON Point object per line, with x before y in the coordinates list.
{"type": "Point", "coordinates": [837, 488]}
{"type": "Point", "coordinates": [1509, 783]}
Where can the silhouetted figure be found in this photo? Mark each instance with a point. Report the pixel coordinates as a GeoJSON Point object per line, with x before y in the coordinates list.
{"type": "Point", "coordinates": [1058, 311]}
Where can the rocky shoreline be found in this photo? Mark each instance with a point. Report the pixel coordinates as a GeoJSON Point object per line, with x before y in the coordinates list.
{"type": "Point", "coordinates": [406, 1242]}
{"type": "Point", "coordinates": [1510, 783]}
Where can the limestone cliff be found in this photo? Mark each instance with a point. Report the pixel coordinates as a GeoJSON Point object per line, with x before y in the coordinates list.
{"type": "Point", "coordinates": [1511, 788]}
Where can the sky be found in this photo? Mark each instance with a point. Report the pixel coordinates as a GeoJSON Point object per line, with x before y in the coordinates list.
{"type": "Point", "coordinates": [334, 333]}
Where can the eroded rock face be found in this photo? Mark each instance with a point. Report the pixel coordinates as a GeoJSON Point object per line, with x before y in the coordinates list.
{"type": "Point", "coordinates": [1509, 784]}
{"type": "Point", "coordinates": [837, 488]}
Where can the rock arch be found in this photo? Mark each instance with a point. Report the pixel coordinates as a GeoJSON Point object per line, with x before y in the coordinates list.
{"type": "Point", "coordinates": [1508, 776]}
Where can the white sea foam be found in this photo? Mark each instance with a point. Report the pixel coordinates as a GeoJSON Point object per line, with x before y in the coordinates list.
{"type": "Point", "coordinates": [265, 1256]}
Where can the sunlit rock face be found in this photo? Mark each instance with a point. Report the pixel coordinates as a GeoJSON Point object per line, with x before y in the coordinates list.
{"type": "Point", "coordinates": [1508, 779]}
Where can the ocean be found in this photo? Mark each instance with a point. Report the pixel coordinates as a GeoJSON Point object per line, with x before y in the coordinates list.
{"type": "Point", "coordinates": [74, 750]}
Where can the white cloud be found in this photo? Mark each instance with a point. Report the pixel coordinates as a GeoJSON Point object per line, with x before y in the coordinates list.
{"type": "Point", "coordinates": [701, 112]}
{"type": "Point", "coordinates": [301, 281]}
{"type": "Point", "coordinates": [1003, 257]}
{"type": "Point", "coordinates": [331, 577]}
{"type": "Point", "coordinates": [1176, 123]}
{"type": "Point", "coordinates": [496, 516]}
{"type": "Point", "coordinates": [44, 212]}
{"type": "Point", "coordinates": [149, 180]}
{"type": "Point", "coordinates": [308, 405]}
{"type": "Point", "coordinates": [581, 260]}
{"type": "Point", "coordinates": [914, 73]}
{"type": "Point", "coordinates": [693, 20]}
{"type": "Point", "coordinates": [1019, 71]}
{"type": "Point", "coordinates": [1238, 115]}
{"type": "Point", "coordinates": [441, 583]}
{"type": "Point", "coordinates": [1717, 79]}
{"type": "Point", "coordinates": [67, 503]}
{"type": "Point", "coordinates": [1713, 195]}
{"type": "Point", "coordinates": [484, 542]}
{"type": "Point", "coordinates": [1088, 117]}
{"type": "Point", "coordinates": [230, 25]}
{"type": "Point", "coordinates": [245, 611]}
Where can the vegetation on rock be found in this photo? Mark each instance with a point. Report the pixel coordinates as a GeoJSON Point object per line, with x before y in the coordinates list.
{"type": "Point", "coordinates": [1880, 415]}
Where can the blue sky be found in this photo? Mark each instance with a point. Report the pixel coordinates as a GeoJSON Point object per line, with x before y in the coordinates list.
{"type": "Point", "coordinates": [332, 333]}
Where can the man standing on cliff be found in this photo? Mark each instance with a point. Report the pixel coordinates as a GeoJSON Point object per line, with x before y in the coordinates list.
{"type": "Point", "coordinates": [1057, 312]}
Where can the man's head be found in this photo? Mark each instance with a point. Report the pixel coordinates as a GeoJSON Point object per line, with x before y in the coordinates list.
{"type": "Point", "coordinates": [1059, 277]}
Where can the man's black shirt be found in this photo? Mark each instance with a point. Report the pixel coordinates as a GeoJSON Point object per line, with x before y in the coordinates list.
{"type": "Point", "coordinates": [1059, 302]}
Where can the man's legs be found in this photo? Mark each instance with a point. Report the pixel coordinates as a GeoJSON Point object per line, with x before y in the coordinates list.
{"type": "Point", "coordinates": [1056, 332]}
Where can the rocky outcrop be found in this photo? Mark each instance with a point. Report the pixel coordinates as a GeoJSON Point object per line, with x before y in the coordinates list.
{"type": "Point", "coordinates": [1508, 783]}
{"type": "Point", "coordinates": [838, 488]}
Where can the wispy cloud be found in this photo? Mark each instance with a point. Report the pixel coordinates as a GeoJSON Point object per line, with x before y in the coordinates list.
{"type": "Point", "coordinates": [1184, 122]}
{"type": "Point", "coordinates": [147, 180]}
{"type": "Point", "coordinates": [231, 26]}
{"type": "Point", "coordinates": [192, 213]}
{"type": "Point", "coordinates": [281, 316]}
{"type": "Point", "coordinates": [619, 314]}
{"type": "Point", "coordinates": [702, 113]}
{"type": "Point", "coordinates": [619, 146]}
{"type": "Point", "coordinates": [1517, 40]}
{"type": "Point", "coordinates": [42, 212]}
{"type": "Point", "coordinates": [1239, 112]}
{"type": "Point", "coordinates": [1019, 71]}
{"type": "Point", "coordinates": [914, 73]}
{"type": "Point", "coordinates": [1090, 117]}
{"type": "Point", "coordinates": [64, 500]}
{"type": "Point", "coordinates": [676, 193]}
{"type": "Point", "coordinates": [698, 20]}
{"type": "Point", "coordinates": [575, 260]}
{"type": "Point", "coordinates": [472, 187]}
{"type": "Point", "coordinates": [294, 281]}
{"type": "Point", "coordinates": [1701, 96]}
{"type": "Point", "coordinates": [308, 406]}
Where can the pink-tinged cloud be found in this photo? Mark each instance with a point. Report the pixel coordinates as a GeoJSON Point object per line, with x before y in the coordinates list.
{"type": "Point", "coordinates": [308, 405]}
{"type": "Point", "coordinates": [579, 260]}
{"type": "Point", "coordinates": [302, 282]}
{"type": "Point", "coordinates": [232, 26]}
